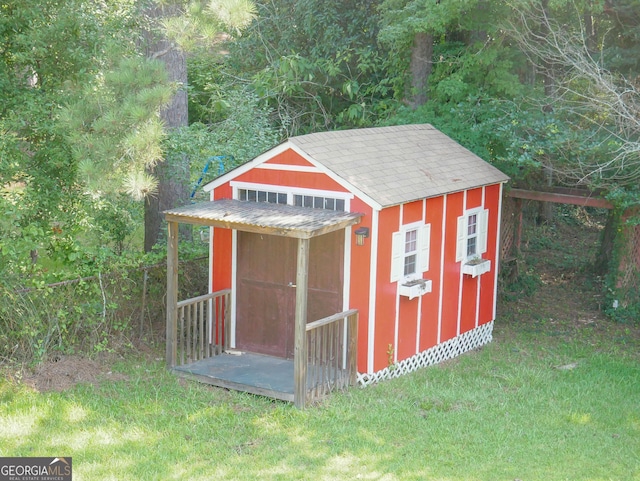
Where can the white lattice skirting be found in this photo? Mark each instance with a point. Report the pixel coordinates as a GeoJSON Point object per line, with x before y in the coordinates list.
{"type": "Point", "coordinates": [477, 337]}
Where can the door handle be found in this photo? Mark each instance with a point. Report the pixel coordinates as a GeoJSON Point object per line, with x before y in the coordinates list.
{"type": "Point", "coordinates": [291, 284]}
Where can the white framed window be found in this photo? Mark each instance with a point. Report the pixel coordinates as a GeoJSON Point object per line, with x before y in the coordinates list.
{"type": "Point", "coordinates": [255, 195]}
{"type": "Point", "coordinates": [319, 202]}
{"type": "Point", "coordinates": [313, 198]}
{"type": "Point", "coordinates": [472, 234]}
{"type": "Point", "coordinates": [410, 252]}
{"type": "Point", "coordinates": [410, 260]}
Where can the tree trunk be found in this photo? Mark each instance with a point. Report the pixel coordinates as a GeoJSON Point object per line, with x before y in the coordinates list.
{"type": "Point", "coordinates": [482, 14]}
{"type": "Point", "coordinates": [604, 256]}
{"type": "Point", "coordinates": [172, 173]}
{"type": "Point", "coordinates": [421, 65]}
{"type": "Point", "coordinates": [546, 211]}
{"type": "Point", "coordinates": [547, 75]}
{"type": "Point", "coordinates": [590, 31]}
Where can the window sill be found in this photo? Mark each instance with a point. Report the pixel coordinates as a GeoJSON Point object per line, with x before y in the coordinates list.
{"type": "Point", "coordinates": [476, 267]}
{"type": "Point", "coordinates": [416, 288]}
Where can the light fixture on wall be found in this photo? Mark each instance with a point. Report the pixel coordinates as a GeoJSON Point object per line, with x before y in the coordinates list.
{"type": "Point", "coordinates": [361, 234]}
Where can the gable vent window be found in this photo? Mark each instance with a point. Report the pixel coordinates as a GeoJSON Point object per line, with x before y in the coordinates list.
{"type": "Point", "coordinates": [317, 202]}
{"type": "Point", "coordinates": [251, 195]}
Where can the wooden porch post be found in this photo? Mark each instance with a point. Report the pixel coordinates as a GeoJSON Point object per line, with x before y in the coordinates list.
{"type": "Point", "coordinates": [172, 293]}
{"type": "Point", "coordinates": [300, 335]}
{"type": "Point", "coordinates": [352, 358]}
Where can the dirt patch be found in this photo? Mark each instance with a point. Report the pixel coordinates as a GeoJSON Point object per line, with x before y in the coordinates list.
{"type": "Point", "coordinates": [567, 301]}
{"type": "Point", "coordinates": [65, 372]}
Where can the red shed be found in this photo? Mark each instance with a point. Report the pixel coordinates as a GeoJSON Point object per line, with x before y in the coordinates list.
{"type": "Point", "coordinates": [346, 256]}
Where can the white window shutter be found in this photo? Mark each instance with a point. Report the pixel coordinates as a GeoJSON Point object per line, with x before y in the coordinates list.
{"type": "Point", "coordinates": [461, 238]}
{"type": "Point", "coordinates": [424, 238]}
{"type": "Point", "coordinates": [484, 229]}
{"type": "Point", "coordinates": [397, 256]}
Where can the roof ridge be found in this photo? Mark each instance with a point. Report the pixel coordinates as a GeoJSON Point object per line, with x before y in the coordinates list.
{"type": "Point", "coordinates": [365, 131]}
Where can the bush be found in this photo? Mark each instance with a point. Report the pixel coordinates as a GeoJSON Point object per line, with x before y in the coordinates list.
{"type": "Point", "coordinates": [90, 314]}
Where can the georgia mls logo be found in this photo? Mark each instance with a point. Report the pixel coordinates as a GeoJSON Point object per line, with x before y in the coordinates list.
{"type": "Point", "coordinates": [35, 469]}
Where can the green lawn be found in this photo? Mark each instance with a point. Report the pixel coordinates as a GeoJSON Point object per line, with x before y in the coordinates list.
{"type": "Point", "coordinates": [536, 404]}
{"type": "Point", "coordinates": [555, 396]}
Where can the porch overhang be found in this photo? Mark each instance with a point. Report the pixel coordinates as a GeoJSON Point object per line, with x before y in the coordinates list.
{"type": "Point", "coordinates": [264, 218]}
{"type": "Point", "coordinates": [302, 223]}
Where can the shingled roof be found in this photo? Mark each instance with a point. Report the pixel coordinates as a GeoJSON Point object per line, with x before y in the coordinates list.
{"type": "Point", "coordinates": [389, 165]}
{"type": "Point", "coordinates": [398, 164]}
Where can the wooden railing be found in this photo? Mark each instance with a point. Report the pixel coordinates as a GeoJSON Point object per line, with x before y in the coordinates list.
{"type": "Point", "coordinates": [202, 327]}
{"type": "Point", "coordinates": [331, 353]}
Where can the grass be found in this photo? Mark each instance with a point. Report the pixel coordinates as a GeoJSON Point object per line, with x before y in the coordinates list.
{"type": "Point", "coordinates": [555, 396]}
{"type": "Point", "coordinates": [529, 406]}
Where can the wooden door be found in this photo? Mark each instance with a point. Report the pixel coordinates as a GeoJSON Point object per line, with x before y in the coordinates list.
{"type": "Point", "coordinates": [266, 292]}
{"type": "Point", "coordinates": [265, 301]}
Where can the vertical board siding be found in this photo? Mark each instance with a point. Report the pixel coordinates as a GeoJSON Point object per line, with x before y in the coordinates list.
{"type": "Point", "coordinates": [373, 288]}
{"type": "Point", "coordinates": [386, 290]}
{"type": "Point", "coordinates": [224, 191]}
{"type": "Point", "coordinates": [408, 309]}
{"type": "Point", "coordinates": [430, 312]}
{"type": "Point", "coordinates": [222, 260]}
{"type": "Point", "coordinates": [451, 275]}
{"type": "Point", "coordinates": [469, 300]}
{"type": "Point", "coordinates": [488, 283]}
{"type": "Point", "coordinates": [408, 327]}
{"type": "Point", "coordinates": [361, 279]}
{"type": "Point", "coordinates": [412, 212]}
{"type": "Point", "coordinates": [474, 198]}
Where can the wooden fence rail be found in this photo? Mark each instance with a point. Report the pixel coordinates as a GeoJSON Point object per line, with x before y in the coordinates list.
{"type": "Point", "coordinates": [202, 326]}
{"type": "Point", "coordinates": [331, 354]}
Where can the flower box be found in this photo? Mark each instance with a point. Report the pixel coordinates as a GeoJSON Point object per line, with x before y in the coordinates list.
{"type": "Point", "coordinates": [415, 288]}
{"type": "Point", "coordinates": [476, 267]}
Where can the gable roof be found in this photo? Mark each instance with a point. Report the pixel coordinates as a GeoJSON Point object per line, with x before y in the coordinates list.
{"type": "Point", "coordinates": [392, 165]}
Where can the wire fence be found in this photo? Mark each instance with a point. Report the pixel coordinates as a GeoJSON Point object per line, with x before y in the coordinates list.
{"type": "Point", "coordinates": [625, 272]}
{"type": "Point", "coordinates": [91, 314]}
{"type": "Point", "coordinates": [628, 279]}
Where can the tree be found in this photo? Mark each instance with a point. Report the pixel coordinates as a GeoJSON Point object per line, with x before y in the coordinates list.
{"type": "Point", "coordinates": [80, 120]}
{"type": "Point", "coordinates": [138, 97]}
{"type": "Point", "coordinates": [114, 125]}
{"type": "Point", "coordinates": [172, 28]}
{"type": "Point", "coordinates": [172, 175]}
{"type": "Point", "coordinates": [420, 66]}
{"type": "Point", "coordinates": [468, 54]}
{"type": "Point", "coordinates": [591, 92]}
{"type": "Point", "coordinates": [240, 132]}
{"type": "Point", "coordinates": [316, 62]}
{"type": "Point", "coordinates": [47, 50]}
